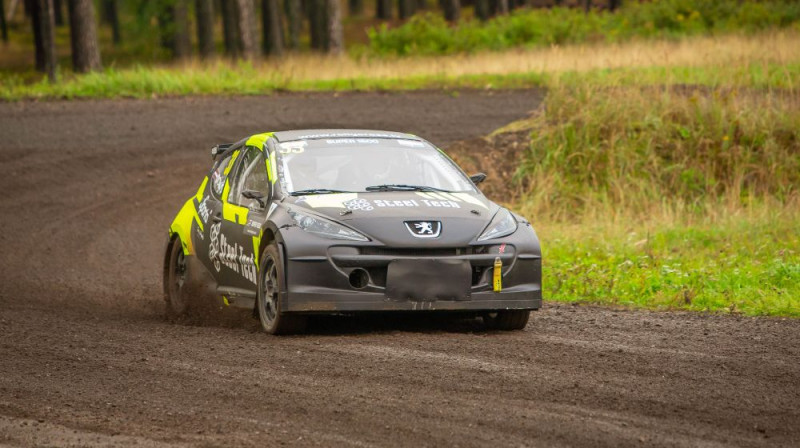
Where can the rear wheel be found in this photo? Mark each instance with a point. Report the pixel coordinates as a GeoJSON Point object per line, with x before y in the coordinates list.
{"type": "Point", "coordinates": [175, 281]}
{"type": "Point", "coordinates": [506, 320]}
{"type": "Point", "coordinates": [270, 285]}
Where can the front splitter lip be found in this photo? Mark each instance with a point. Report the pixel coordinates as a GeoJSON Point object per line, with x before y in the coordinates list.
{"type": "Point", "coordinates": [336, 301]}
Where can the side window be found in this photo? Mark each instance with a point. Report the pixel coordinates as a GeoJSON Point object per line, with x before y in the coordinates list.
{"type": "Point", "coordinates": [251, 174]}
{"type": "Point", "coordinates": [218, 176]}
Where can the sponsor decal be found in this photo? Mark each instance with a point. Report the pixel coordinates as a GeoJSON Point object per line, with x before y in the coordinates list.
{"type": "Point", "coordinates": [232, 256]}
{"type": "Point", "coordinates": [349, 135]}
{"type": "Point", "coordinates": [359, 204]}
{"type": "Point", "coordinates": [424, 229]}
{"type": "Point", "coordinates": [202, 209]}
{"type": "Point", "coordinates": [218, 182]}
{"type": "Point", "coordinates": [415, 203]}
{"type": "Point", "coordinates": [294, 147]}
{"type": "Point", "coordinates": [352, 141]}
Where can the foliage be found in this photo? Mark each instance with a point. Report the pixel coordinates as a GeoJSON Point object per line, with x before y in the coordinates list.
{"type": "Point", "coordinates": [430, 34]}
{"type": "Point", "coordinates": [633, 152]}
{"type": "Point", "coordinates": [744, 265]}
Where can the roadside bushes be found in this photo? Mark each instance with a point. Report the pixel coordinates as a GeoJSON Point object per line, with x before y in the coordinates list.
{"type": "Point", "coordinates": [430, 34]}
{"type": "Point", "coordinates": [647, 151]}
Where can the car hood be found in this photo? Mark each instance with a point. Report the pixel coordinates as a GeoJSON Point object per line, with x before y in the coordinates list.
{"type": "Point", "coordinates": [383, 215]}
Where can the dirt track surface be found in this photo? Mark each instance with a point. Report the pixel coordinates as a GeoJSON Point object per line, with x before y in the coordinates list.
{"type": "Point", "coordinates": [87, 359]}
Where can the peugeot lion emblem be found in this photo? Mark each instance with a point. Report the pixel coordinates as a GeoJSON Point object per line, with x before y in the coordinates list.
{"type": "Point", "coordinates": [424, 229]}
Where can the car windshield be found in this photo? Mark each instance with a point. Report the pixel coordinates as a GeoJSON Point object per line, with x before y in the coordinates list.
{"type": "Point", "coordinates": [364, 164]}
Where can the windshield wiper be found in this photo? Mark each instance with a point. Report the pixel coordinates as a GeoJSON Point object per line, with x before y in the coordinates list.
{"type": "Point", "coordinates": [317, 191]}
{"type": "Point", "coordinates": [403, 187]}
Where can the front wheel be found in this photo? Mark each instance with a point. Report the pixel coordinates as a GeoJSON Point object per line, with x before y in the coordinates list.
{"type": "Point", "coordinates": [506, 320]}
{"type": "Point", "coordinates": [270, 285]}
{"type": "Point", "coordinates": [175, 281]}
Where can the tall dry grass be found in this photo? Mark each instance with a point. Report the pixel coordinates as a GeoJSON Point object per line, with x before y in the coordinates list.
{"type": "Point", "coordinates": [664, 153]}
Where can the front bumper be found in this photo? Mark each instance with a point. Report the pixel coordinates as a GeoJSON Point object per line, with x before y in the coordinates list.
{"type": "Point", "coordinates": [366, 301]}
{"type": "Point", "coordinates": [322, 282]}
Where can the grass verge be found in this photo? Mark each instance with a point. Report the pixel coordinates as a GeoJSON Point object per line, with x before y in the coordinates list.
{"type": "Point", "coordinates": [745, 264]}
{"type": "Point", "coordinates": [666, 197]}
{"type": "Point", "coordinates": [765, 60]}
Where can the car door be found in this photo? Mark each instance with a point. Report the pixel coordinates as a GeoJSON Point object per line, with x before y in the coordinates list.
{"type": "Point", "coordinates": [210, 210]}
{"type": "Point", "coordinates": [244, 205]}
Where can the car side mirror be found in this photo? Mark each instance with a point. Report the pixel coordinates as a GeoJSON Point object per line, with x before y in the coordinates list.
{"type": "Point", "coordinates": [256, 195]}
{"type": "Point", "coordinates": [477, 178]}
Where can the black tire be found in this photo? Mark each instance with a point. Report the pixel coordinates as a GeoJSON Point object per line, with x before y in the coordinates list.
{"type": "Point", "coordinates": [176, 275]}
{"type": "Point", "coordinates": [506, 320]}
{"type": "Point", "coordinates": [270, 285]}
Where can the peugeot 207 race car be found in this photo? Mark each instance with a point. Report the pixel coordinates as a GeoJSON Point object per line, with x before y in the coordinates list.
{"type": "Point", "coordinates": [341, 221]}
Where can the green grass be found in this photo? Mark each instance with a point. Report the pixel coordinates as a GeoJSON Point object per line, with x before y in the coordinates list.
{"type": "Point", "coordinates": [632, 153]}
{"type": "Point", "coordinates": [430, 34]}
{"type": "Point", "coordinates": [683, 197]}
{"type": "Point", "coordinates": [143, 82]}
{"type": "Point", "coordinates": [748, 266]}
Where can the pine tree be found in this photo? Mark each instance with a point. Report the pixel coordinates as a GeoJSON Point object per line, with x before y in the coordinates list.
{"type": "Point", "coordinates": [83, 36]}
{"type": "Point", "coordinates": [230, 28]}
{"type": "Point", "coordinates": [452, 10]}
{"type": "Point", "coordinates": [42, 12]}
{"type": "Point", "coordinates": [334, 21]}
{"type": "Point", "coordinates": [204, 13]}
{"type": "Point", "coordinates": [294, 19]}
{"type": "Point", "coordinates": [272, 27]}
{"type": "Point", "coordinates": [3, 26]}
{"type": "Point", "coordinates": [246, 22]}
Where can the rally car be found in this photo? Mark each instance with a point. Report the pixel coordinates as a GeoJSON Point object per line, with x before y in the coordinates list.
{"type": "Point", "coordinates": [294, 223]}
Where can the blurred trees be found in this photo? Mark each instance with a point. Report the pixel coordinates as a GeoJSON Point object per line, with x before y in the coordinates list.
{"type": "Point", "coordinates": [249, 28]}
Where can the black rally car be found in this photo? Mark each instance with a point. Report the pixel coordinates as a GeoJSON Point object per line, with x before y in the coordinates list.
{"type": "Point", "coordinates": [340, 221]}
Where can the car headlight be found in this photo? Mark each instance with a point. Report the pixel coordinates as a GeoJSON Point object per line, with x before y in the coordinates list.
{"type": "Point", "coordinates": [503, 224]}
{"type": "Point", "coordinates": [325, 228]}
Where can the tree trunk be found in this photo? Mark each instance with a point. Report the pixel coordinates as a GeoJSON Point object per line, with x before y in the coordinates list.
{"type": "Point", "coordinates": [83, 34]}
{"type": "Point", "coordinates": [502, 7]}
{"type": "Point", "coordinates": [230, 28]}
{"type": "Point", "coordinates": [166, 26]}
{"type": "Point", "coordinates": [182, 40]}
{"type": "Point", "coordinates": [111, 16]}
{"type": "Point", "coordinates": [452, 10]}
{"type": "Point", "coordinates": [42, 11]}
{"type": "Point", "coordinates": [294, 18]}
{"type": "Point", "coordinates": [355, 7]}
{"type": "Point", "coordinates": [3, 26]}
{"type": "Point", "coordinates": [36, 25]}
{"type": "Point", "coordinates": [316, 10]}
{"type": "Point", "coordinates": [58, 9]}
{"type": "Point", "coordinates": [383, 9]}
{"type": "Point", "coordinates": [613, 5]}
{"type": "Point", "coordinates": [204, 12]}
{"type": "Point", "coordinates": [587, 6]}
{"type": "Point", "coordinates": [335, 34]}
{"type": "Point", "coordinates": [272, 27]}
{"type": "Point", "coordinates": [482, 10]}
{"type": "Point", "coordinates": [12, 9]}
{"type": "Point", "coordinates": [247, 28]}
{"type": "Point", "coordinates": [406, 8]}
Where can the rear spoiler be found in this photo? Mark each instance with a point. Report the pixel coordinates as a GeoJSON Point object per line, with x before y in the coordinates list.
{"type": "Point", "coordinates": [220, 149]}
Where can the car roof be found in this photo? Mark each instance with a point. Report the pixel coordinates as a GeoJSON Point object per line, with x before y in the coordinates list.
{"type": "Point", "coordinates": [316, 134]}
